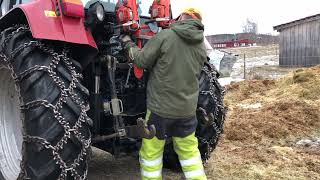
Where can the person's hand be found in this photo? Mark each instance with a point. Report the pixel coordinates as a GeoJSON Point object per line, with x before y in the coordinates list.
{"type": "Point", "coordinates": [125, 38]}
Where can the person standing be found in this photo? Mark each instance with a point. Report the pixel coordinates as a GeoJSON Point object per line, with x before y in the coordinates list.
{"type": "Point", "coordinates": [174, 58]}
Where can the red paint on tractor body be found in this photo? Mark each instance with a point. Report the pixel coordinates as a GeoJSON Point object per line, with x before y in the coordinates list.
{"type": "Point", "coordinates": [60, 27]}
{"type": "Point", "coordinates": [73, 10]}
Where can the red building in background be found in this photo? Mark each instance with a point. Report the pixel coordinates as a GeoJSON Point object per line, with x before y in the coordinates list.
{"type": "Point", "coordinates": [234, 43]}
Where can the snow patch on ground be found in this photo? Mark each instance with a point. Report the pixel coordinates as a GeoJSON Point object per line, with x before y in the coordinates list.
{"type": "Point", "coordinates": [238, 68]}
{"type": "Point", "coordinates": [250, 106]}
{"type": "Point", "coordinates": [309, 142]}
{"type": "Point", "coordinates": [228, 80]}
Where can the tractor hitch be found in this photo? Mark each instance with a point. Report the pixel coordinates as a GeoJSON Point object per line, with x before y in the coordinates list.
{"type": "Point", "coordinates": [141, 130]}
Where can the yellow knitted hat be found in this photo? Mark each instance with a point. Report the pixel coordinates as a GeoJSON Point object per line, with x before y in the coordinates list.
{"type": "Point", "coordinates": [194, 13]}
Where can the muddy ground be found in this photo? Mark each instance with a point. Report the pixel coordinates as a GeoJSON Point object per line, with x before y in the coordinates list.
{"type": "Point", "coordinates": [103, 166]}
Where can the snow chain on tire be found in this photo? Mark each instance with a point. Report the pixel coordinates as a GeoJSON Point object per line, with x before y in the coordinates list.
{"type": "Point", "coordinates": [210, 114]}
{"type": "Point", "coordinates": [56, 135]}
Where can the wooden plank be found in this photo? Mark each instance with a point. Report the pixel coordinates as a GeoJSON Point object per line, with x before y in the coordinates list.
{"type": "Point", "coordinates": [305, 44]}
{"type": "Point", "coordinates": [281, 48]}
{"type": "Point", "coordinates": [284, 50]}
{"type": "Point", "coordinates": [292, 46]}
{"type": "Point", "coordinates": [300, 44]}
{"type": "Point", "coordinates": [298, 34]}
{"type": "Point", "coordinates": [295, 45]}
{"type": "Point", "coordinates": [309, 46]}
{"type": "Point", "coordinates": [285, 41]}
{"type": "Point", "coordinates": [313, 42]}
{"type": "Point", "coordinates": [287, 57]}
{"type": "Point", "coordinates": [318, 42]}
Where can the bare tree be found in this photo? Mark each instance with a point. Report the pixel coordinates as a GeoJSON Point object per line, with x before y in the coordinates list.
{"type": "Point", "coordinates": [250, 27]}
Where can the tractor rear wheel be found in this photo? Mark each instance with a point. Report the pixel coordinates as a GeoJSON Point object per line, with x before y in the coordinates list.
{"type": "Point", "coordinates": [44, 129]}
{"type": "Point", "coordinates": [210, 114]}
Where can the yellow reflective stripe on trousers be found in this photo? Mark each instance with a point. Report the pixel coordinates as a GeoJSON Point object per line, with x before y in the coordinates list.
{"type": "Point", "coordinates": [146, 162]}
{"type": "Point", "coordinates": [151, 174]}
{"type": "Point", "coordinates": [191, 161]}
{"type": "Point", "coordinates": [195, 173]}
{"type": "Point", "coordinates": [189, 156]}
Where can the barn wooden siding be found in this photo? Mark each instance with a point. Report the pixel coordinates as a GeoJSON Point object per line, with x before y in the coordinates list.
{"type": "Point", "coordinates": [300, 42]}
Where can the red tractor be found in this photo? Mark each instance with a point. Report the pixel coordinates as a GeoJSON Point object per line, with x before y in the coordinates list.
{"type": "Point", "coordinates": [67, 84]}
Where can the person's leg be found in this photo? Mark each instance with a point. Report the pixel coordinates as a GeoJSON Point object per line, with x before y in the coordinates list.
{"type": "Point", "coordinates": [189, 157]}
{"type": "Point", "coordinates": [151, 154]}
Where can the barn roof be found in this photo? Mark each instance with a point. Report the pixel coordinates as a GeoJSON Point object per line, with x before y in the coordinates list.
{"type": "Point", "coordinates": [296, 22]}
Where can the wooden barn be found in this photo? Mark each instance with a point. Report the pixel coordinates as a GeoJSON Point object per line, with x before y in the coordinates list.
{"type": "Point", "coordinates": [300, 42]}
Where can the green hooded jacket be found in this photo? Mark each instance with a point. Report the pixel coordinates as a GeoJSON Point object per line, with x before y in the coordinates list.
{"type": "Point", "coordinates": [174, 58]}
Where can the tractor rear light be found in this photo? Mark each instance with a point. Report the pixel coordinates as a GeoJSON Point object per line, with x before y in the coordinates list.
{"type": "Point", "coordinates": [73, 8]}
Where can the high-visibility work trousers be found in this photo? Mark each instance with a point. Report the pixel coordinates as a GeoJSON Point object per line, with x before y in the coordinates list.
{"type": "Point", "coordinates": [151, 154]}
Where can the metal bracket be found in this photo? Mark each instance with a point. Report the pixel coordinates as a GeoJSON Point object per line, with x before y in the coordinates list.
{"type": "Point", "coordinates": [122, 133]}
{"type": "Point", "coordinates": [115, 107]}
{"type": "Point", "coordinates": [128, 76]}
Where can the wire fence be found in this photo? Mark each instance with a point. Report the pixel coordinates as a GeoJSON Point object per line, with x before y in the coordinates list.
{"type": "Point", "coordinates": [270, 66]}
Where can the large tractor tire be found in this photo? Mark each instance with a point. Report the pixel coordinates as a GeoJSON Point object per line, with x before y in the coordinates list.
{"type": "Point", "coordinates": [210, 114]}
{"type": "Point", "coordinates": [44, 129]}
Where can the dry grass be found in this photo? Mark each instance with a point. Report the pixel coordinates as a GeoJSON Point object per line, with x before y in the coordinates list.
{"type": "Point", "coordinates": [261, 143]}
{"type": "Point", "coordinates": [267, 72]}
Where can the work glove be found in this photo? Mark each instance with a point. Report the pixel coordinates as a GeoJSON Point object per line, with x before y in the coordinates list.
{"type": "Point", "coordinates": [125, 38]}
{"type": "Point", "coordinates": [127, 43]}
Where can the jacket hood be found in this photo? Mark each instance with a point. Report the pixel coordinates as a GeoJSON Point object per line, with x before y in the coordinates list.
{"type": "Point", "coordinates": [190, 30]}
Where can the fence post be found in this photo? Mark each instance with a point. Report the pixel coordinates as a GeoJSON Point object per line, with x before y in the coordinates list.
{"type": "Point", "coordinates": [244, 66]}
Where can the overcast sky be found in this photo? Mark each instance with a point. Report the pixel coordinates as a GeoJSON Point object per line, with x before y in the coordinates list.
{"type": "Point", "coordinates": [228, 16]}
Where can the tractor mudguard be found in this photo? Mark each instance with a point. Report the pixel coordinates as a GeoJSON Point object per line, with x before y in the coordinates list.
{"type": "Point", "coordinates": [45, 23]}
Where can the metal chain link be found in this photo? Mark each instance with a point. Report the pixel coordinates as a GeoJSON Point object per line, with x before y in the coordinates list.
{"type": "Point", "coordinates": [7, 63]}
{"type": "Point", "coordinates": [219, 108]}
{"type": "Point", "coordinates": [66, 92]}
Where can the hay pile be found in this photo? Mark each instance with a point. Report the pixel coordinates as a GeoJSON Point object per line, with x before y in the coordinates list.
{"type": "Point", "coordinates": [260, 142]}
{"type": "Point", "coordinates": [290, 107]}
